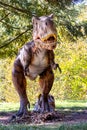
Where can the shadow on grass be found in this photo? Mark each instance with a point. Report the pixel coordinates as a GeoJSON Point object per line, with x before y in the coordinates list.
{"type": "Point", "coordinates": [60, 109]}
{"type": "Point", "coordinates": [70, 112]}
{"type": "Point", "coordinates": [6, 113]}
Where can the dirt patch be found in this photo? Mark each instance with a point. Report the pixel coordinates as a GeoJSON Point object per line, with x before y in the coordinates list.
{"type": "Point", "coordinates": [37, 118]}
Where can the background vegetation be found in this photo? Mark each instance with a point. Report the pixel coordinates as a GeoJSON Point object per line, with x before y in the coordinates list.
{"type": "Point", "coordinates": [71, 52]}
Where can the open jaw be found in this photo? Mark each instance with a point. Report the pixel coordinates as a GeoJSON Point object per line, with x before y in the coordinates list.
{"type": "Point", "coordinates": [49, 42]}
{"type": "Point", "coordinates": [49, 38]}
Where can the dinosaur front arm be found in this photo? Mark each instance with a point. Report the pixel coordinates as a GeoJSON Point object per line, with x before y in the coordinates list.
{"type": "Point", "coordinates": [52, 61]}
{"type": "Point", "coordinates": [25, 56]}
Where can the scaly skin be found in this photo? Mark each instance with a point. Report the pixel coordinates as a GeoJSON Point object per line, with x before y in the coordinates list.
{"type": "Point", "coordinates": [36, 58]}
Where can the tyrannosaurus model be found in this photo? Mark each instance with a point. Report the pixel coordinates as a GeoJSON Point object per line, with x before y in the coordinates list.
{"type": "Point", "coordinates": [36, 58]}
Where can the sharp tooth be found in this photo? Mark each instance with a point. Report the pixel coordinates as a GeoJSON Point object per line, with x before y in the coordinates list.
{"type": "Point", "coordinates": [55, 36]}
{"type": "Point", "coordinates": [50, 35]}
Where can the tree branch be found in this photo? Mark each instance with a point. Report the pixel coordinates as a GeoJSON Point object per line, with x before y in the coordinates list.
{"type": "Point", "coordinates": [13, 39]}
{"type": "Point", "coordinates": [4, 17]}
{"type": "Point", "coordinates": [1, 20]}
{"type": "Point", "coordinates": [7, 24]}
{"type": "Point", "coordinates": [15, 8]}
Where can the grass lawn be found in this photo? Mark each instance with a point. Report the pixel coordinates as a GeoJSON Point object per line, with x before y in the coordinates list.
{"type": "Point", "coordinates": [62, 106]}
{"type": "Point", "coordinates": [71, 105]}
{"type": "Point", "coordinates": [79, 126]}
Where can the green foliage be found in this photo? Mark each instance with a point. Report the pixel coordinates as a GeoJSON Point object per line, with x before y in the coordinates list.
{"type": "Point", "coordinates": [72, 83]}
{"type": "Point", "coordinates": [7, 92]}
{"type": "Point", "coordinates": [16, 23]}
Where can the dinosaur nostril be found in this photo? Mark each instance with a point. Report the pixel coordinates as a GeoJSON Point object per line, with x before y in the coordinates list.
{"type": "Point", "coordinates": [53, 46]}
{"type": "Point", "coordinates": [46, 23]}
{"type": "Point", "coordinates": [45, 31]}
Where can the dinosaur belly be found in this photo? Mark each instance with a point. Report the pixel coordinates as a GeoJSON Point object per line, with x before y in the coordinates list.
{"type": "Point", "coordinates": [38, 65]}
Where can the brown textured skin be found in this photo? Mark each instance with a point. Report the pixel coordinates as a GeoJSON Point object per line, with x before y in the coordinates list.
{"type": "Point", "coordinates": [33, 61]}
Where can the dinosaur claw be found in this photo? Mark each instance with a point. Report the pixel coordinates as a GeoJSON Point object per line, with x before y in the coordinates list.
{"type": "Point", "coordinates": [43, 106]}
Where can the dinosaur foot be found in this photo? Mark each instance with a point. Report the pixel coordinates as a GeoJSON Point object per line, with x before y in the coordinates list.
{"type": "Point", "coordinates": [44, 105]}
{"type": "Point", "coordinates": [22, 113]}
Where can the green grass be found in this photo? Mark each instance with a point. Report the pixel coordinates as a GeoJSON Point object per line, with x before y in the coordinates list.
{"type": "Point", "coordinates": [62, 106]}
{"type": "Point", "coordinates": [6, 107]}
{"type": "Point", "coordinates": [78, 126]}
{"type": "Point", "coordinates": [71, 105]}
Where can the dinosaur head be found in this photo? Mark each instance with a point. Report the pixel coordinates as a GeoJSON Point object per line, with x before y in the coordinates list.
{"type": "Point", "coordinates": [44, 30]}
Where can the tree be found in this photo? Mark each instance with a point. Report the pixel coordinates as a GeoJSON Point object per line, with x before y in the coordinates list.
{"type": "Point", "coordinates": [16, 25]}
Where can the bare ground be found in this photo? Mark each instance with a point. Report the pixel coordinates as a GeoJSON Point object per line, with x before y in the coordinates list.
{"type": "Point", "coordinates": [37, 118]}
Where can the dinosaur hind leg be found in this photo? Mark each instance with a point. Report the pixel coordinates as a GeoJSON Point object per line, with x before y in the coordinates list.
{"type": "Point", "coordinates": [19, 82]}
{"type": "Point", "coordinates": [45, 101]}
